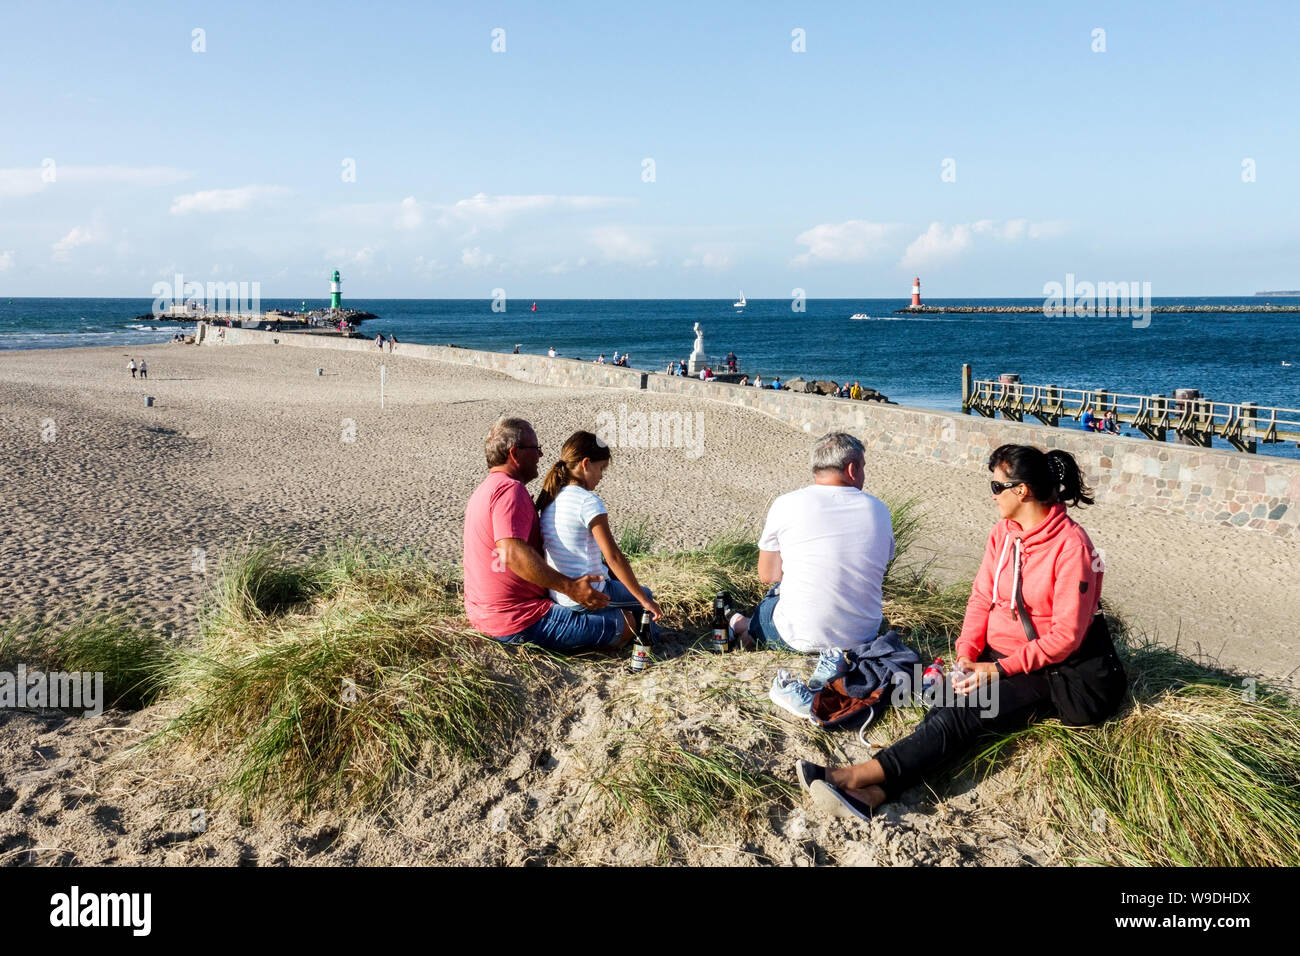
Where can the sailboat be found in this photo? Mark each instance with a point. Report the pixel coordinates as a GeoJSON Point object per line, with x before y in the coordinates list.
{"type": "Point", "coordinates": [741, 303]}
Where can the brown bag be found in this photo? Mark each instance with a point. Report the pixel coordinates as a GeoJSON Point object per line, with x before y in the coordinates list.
{"type": "Point", "coordinates": [832, 707]}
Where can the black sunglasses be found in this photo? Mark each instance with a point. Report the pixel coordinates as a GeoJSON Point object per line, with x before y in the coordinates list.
{"type": "Point", "coordinates": [530, 447]}
{"type": "Point", "coordinates": [1001, 486]}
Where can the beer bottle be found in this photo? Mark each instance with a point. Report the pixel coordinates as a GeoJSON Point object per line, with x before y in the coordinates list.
{"type": "Point", "coordinates": [721, 602]}
{"type": "Point", "coordinates": [641, 645]}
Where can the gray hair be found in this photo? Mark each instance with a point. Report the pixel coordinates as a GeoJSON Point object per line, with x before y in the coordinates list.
{"type": "Point", "coordinates": [834, 451]}
{"type": "Point", "coordinates": [504, 434]}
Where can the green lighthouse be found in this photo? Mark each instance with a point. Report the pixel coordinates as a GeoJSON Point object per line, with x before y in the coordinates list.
{"type": "Point", "coordinates": [336, 290]}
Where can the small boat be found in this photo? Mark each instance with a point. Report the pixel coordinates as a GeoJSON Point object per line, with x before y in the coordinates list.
{"type": "Point", "coordinates": [741, 304]}
{"type": "Point", "coordinates": [859, 315]}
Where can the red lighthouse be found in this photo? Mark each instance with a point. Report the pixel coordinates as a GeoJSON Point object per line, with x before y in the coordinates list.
{"type": "Point", "coordinates": [916, 293]}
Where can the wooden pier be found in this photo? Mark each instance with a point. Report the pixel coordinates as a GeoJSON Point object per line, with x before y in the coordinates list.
{"type": "Point", "coordinates": [1193, 419]}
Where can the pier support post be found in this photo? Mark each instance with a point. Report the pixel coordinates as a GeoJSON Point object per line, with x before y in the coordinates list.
{"type": "Point", "coordinates": [1249, 418]}
{"type": "Point", "coordinates": [967, 376]}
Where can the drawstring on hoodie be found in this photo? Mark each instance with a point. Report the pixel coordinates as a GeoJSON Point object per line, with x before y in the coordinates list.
{"type": "Point", "coordinates": [1015, 573]}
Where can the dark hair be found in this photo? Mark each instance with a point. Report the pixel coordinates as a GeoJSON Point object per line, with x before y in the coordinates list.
{"type": "Point", "coordinates": [1052, 477]}
{"type": "Point", "coordinates": [579, 445]}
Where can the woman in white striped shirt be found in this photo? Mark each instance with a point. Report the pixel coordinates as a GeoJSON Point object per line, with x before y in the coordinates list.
{"type": "Point", "coordinates": [575, 528]}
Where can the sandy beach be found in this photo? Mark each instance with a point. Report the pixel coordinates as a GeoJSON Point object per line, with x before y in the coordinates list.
{"type": "Point", "coordinates": [109, 502]}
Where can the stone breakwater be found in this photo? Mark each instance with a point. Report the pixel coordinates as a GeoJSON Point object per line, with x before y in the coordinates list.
{"type": "Point", "coordinates": [1203, 484]}
{"type": "Point", "coordinates": [1101, 307]}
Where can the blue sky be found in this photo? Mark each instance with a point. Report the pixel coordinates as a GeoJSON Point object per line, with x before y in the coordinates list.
{"type": "Point", "coordinates": [129, 157]}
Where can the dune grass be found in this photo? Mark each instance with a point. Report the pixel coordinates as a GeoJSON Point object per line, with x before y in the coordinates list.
{"type": "Point", "coordinates": [134, 660]}
{"type": "Point", "coordinates": [321, 681]}
{"type": "Point", "coordinates": [1201, 769]}
{"type": "Point", "coordinates": [666, 788]}
{"type": "Point", "coordinates": [317, 682]}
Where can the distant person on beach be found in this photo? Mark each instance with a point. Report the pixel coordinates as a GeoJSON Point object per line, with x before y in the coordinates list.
{"type": "Point", "coordinates": [731, 361]}
{"type": "Point", "coordinates": [600, 359]}
{"type": "Point", "coordinates": [550, 353]}
{"type": "Point", "coordinates": [776, 383]}
{"type": "Point", "coordinates": [516, 352]}
{"type": "Point", "coordinates": [506, 576]}
{"type": "Point", "coordinates": [144, 369]}
{"type": "Point", "coordinates": [392, 341]}
{"type": "Point", "coordinates": [576, 532]}
{"type": "Point", "coordinates": [1089, 421]}
{"type": "Point", "coordinates": [131, 365]}
{"type": "Point", "coordinates": [744, 380]}
{"type": "Point", "coordinates": [615, 358]}
{"type": "Point", "coordinates": [758, 381]}
{"type": "Point", "coordinates": [379, 340]}
{"type": "Point", "coordinates": [824, 548]}
{"type": "Point", "coordinates": [1031, 612]}
{"type": "Point", "coordinates": [856, 392]}
{"type": "Point", "coordinates": [1109, 424]}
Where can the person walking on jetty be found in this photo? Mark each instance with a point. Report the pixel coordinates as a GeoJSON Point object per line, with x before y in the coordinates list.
{"type": "Point", "coordinates": [131, 365]}
{"type": "Point", "coordinates": [1031, 632]}
{"type": "Point", "coordinates": [379, 341]}
{"type": "Point", "coordinates": [824, 548]}
{"type": "Point", "coordinates": [506, 576]}
{"type": "Point", "coordinates": [576, 533]}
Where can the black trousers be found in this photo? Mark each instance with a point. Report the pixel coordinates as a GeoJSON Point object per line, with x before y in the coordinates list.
{"type": "Point", "coordinates": [948, 732]}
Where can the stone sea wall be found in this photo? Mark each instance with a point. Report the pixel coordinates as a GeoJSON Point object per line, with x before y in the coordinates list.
{"type": "Point", "coordinates": [1221, 487]}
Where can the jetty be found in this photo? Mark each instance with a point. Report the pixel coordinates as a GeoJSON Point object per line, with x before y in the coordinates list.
{"type": "Point", "coordinates": [1101, 310]}
{"type": "Point", "coordinates": [1191, 418]}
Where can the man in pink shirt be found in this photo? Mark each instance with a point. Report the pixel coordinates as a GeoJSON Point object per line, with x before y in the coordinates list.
{"type": "Point", "coordinates": [506, 576]}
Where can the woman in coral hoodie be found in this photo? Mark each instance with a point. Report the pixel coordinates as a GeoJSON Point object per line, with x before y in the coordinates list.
{"type": "Point", "coordinates": [1038, 563]}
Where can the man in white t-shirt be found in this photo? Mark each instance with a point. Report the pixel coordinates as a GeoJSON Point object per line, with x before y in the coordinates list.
{"type": "Point", "coordinates": [826, 548]}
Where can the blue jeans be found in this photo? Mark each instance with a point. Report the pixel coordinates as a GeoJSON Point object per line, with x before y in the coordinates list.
{"type": "Point", "coordinates": [570, 629]}
{"type": "Point", "coordinates": [762, 628]}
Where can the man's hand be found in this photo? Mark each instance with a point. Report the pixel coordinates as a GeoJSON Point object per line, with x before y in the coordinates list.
{"type": "Point", "coordinates": [582, 592]}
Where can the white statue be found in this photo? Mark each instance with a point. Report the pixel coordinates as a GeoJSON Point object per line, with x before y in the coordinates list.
{"type": "Point", "coordinates": [697, 355]}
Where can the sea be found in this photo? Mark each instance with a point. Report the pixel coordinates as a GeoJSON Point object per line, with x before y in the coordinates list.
{"type": "Point", "coordinates": [912, 359]}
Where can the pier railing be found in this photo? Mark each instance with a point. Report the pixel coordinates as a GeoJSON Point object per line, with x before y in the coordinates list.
{"type": "Point", "coordinates": [1193, 419]}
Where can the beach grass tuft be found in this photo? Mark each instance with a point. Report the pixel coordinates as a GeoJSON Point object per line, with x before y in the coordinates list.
{"type": "Point", "coordinates": [661, 785]}
{"type": "Point", "coordinates": [318, 682]}
{"type": "Point", "coordinates": [1201, 769]}
{"type": "Point", "coordinates": [134, 660]}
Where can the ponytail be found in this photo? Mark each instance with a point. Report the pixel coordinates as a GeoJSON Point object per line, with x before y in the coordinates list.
{"type": "Point", "coordinates": [580, 445]}
{"type": "Point", "coordinates": [1052, 477]}
{"type": "Point", "coordinates": [552, 484]}
{"type": "Point", "coordinates": [1070, 486]}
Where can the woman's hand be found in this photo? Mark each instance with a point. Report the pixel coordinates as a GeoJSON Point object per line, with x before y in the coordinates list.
{"type": "Point", "coordinates": [977, 673]}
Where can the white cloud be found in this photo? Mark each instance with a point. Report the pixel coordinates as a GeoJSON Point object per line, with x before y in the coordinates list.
{"type": "Point", "coordinates": [359, 257]}
{"type": "Point", "coordinates": [616, 244]}
{"type": "Point", "coordinates": [708, 258]}
{"type": "Point", "coordinates": [410, 215]}
{"type": "Point", "coordinates": [941, 243]}
{"type": "Point", "coordinates": [223, 200]}
{"type": "Point", "coordinates": [24, 181]}
{"type": "Point", "coordinates": [564, 266]}
{"type": "Point", "coordinates": [853, 241]}
{"type": "Point", "coordinates": [6, 260]}
{"type": "Point", "coordinates": [476, 258]}
{"type": "Point", "coordinates": [483, 210]}
{"type": "Point", "coordinates": [79, 236]}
